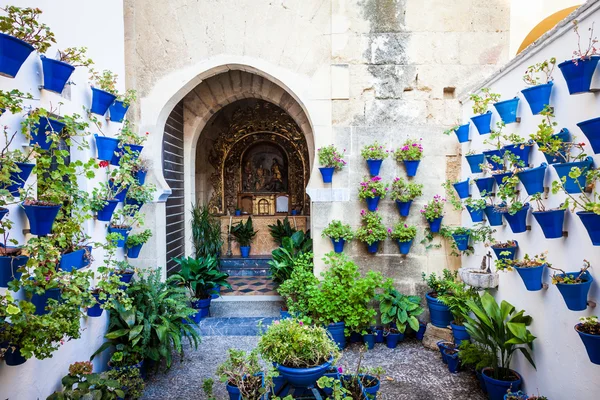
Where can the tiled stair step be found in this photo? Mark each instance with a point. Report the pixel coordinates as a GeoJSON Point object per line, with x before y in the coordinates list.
{"type": "Point", "coordinates": [251, 266]}
{"type": "Point", "coordinates": [236, 326]}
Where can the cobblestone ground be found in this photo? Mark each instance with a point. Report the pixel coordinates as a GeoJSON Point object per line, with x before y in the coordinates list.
{"type": "Point", "coordinates": [412, 372]}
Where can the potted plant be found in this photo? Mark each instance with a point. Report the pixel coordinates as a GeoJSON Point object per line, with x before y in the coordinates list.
{"type": "Point", "coordinates": [331, 160]}
{"type": "Point", "coordinates": [461, 131]}
{"type": "Point", "coordinates": [574, 286]}
{"type": "Point", "coordinates": [514, 210]}
{"type": "Point", "coordinates": [374, 154]}
{"type": "Point", "coordinates": [434, 212]}
{"type": "Point", "coordinates": [551, 221]}
{"type": "Point", "coordinates": [439, 312]}
{"type": "Point", "coordinates": [104, 90]}
{"type": "Point", "coordinates": [21, 34]}
{"type": "Point", "coordinates": [507, 110]}
{"type": "Point", "coordinates": [14, 169]}
{"type": "Point", "coordinates": [539, 78]}
{"type": "Point", "coordinates": [530, 269]}
{"type": "Point", "coordinates": [139, 169]}
{"type": "Point", "coordinates": [244, 233]}
{"type": "Point", "coordinates": [118, 109]}
{"type": "Point", "coordinates": [574, 183]}
{"type": "Point", "coordinates": [505, 250]}
{"type": "Point", "coordinates": [556, 147]}
{"type": "Point", "coordinates": [579, 70]}
{"type": "Point", "coordinates": [363, 384]}
{"type": "Point", "coordinates": [135, 242]}
{"type": "Point", "coordinates": [81, 383]}
{"type": "Point", "coordinates": [296, 292]}
{"type": "Point", "coordinates": [206, 232]}
{"type": "Point", "coordinates": [11, 257]}
{"type": "Point", "coordinates": [398, 311]}
{"type": "Point", "coordinates": [481, 104]}
{"type": "Point", "coordinates": [403, 193]}
{"type": "Point", "coordinates": [477, 356]}
{"type": "Point", "coordinates": [372, 230]}
{"type": "Point", "coordinates": [42, 129]}
{"type": "Point", "coordinates": [410, 154]}
{"type": "Point", "coordinates": [485, 185]}
{"type": "Point", "coordinates": [504, 331]}
{"type": "Point", "coordinates": [462, 188]}
{"type": "Point", "coordinates": [476, 209]}
{"type": "Point", "coordinates": [339, 233]}
{"type": "Point", "coordinates": [130, 145]}
{"type": "Point", "coordinates": [517, 151]}
{"type": "Point", "coordinates": [103, 200]}
{"type": "Point", "coordinates": [533, 179]}
{"type": "Point", "coordinates": [588, 329]}
{"type": "Point", "coordinates": [286, 256]}
{"type": "Point", "coordinates": [404, 235]}
{"type": "Point", "coordinates": [459, 234]}
{"type": "Point", "coordinates": [58, 72]}
{"type": "Point", "coordinates": [137, 196]}
{"type": "Point", "coordinates": [243, 376]}
{"type": "Point", "coordinates": [475, 160]}
{"type": "Point", "coordinates": [372, 190]}
{"type": "Point", "coordinates": [122, 223]}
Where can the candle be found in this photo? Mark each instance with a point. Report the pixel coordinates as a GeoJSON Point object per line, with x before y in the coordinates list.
{"type": "Point", "coordinates": [230, 219]}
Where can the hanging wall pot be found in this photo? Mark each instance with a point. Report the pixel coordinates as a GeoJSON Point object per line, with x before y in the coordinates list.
{"type": "Point", "coordinates": [507, 110]}
{"type": "Point", "coordinates": [538, 97]}
{"type": "Point", "coordinates": [579, 75]}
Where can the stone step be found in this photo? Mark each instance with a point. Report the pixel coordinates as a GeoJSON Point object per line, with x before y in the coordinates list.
{"type": "Point", "coordinates": [227, 307]}
{"type": "Point", "coordinates": [236, 326]}
{"type": "Point", "coordinates": [250, 266]}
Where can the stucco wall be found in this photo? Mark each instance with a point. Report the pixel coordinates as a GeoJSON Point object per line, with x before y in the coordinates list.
{"type": "Point", "coordinates": [564, 370]}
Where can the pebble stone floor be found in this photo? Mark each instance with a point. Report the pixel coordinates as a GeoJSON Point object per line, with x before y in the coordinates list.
{"type": "Point", "coordinates": [412, 372]}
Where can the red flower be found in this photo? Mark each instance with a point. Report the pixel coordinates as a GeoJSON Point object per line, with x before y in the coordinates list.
{"type": "Point", "coordinates": [147, 133]}
{"type": "Point", "coordinates": [103, 164]}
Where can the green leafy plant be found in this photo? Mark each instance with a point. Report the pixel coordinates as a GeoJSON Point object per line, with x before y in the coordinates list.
{"type": "Point", "coordinates": [75, 56]}
{"type": "Point", "coordinates": [399, 309]}
{"type": "Point", "coordinates": [510, 196]}
{"type": "Point", "coordinates": [475, 354]}
{"type": "Point", "coordinates": [128, 98]}
{"type": "Point", "coordinates": [481, 102]}
{"type": "Point", "coordinates": [403, 232]}
{"type": "Point", "coordinates": [200, 276]}
{"type": "Point", "coordinates": [280, 230]}
{"type": "Point", "coordinates": [138, 238]}
{"type": "Point", "coordinates": [587, 200]}
{"type": "Point", "coordinates": [206, 232]}
{"type": "Point", "coordinates": [440, 285]}
{"type": "Point", "coordinates": [544, 68]}
{"type": "Point", "coordinates": [374, 151]}
{"type": "Point", "coordinates": [23, 24]}
{"type": "Point", "coordinates": [284, 257]}
{"type": "Point", "coordinates": [478, 233]}
{"type": "Point", "coordinates": [589, 325]}
{"type": "Point", "coordinates": [243, 233]}
{"type": "Point", "coordinates": [105, 80]}
{"type": "Point", "coordinates": [297, 290]}
{"type": "Point", "coordinates": [130, 380]}
{"type": "Point", "coordinates": [411, 150]}
{"type": "Point", "coordinates": [371, 188]}
{"type": "Point", "coordinates": [337, 230]}
{"type": "Point", "coordinates": [207, 388]}
{"type": "Point", "coordinates": [372, 229]}
{"type": "Point", "coordinates": [13, 101]}
{"type": "Point", "coordinates": [81, 383]}
{"type": "Point", "coordinates": [404, 191]}
{"type": "Point", "coordinates": [242, 370]}
{"type": "Point", "coordinates": [569, 280]}
{"type": "Point", "coordinates": [330, 157]}
{"type": "Point", "coordinates": [127, 134]}
{"type": "Point", "coordinates": [456, 298]}
{"type": "Point", "coordinates": [434, 209]}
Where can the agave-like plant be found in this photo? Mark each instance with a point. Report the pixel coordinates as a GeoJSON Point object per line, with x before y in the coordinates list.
{"type": "Point", "coordinates": [201, 276]}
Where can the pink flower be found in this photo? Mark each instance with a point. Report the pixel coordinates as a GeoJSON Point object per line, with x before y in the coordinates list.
{"type": "Point", "coordinates": [370, 230]}
{"type": "Point", "coordinates": [389, 230]}
{"type": "Point", "coordinates": [301, 323]}
{"type": "Point", "coordinates": [374, 190]}
{"type": "Point", "coordinates": [406, 226]}
{"type": "Point", "coordinates": [340, 370]}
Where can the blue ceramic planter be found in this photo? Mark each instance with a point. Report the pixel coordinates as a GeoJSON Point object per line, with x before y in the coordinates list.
{"type": "Point", "coordinates": [41, 218]}
{"type": "Point", "coordinates": [533, 179]}
{"type": "Point", "coordinates": [551, 222]}
{"type": "Point", "coordinates": [500, 177]}
{"type": "Point", "coordinates": [572, 185]}
{"type": "Point", "coordinates": [134, 206]}
{"type": "Point", "coordinates": [411, 167]}
{"type": "Point", "coordinates": [489, 154]}
{"type": "Point", "coordinates": [238, 213]}
{"type": "Point", "coordinates": [106, 147]}
{"type": "Point", "coordinates": [507, 110]}
{"type": "Point", "coordinates": [460, 333]}
{"type": "Point", "coordinates": [134, 149]}
{"type": "Point", "coordinates": [378, 334]}
{"type": "Point", "coordinates": [338, 245]}
{"type": "Point", "coordinates": [475, 160]}
{"type": "Point", "coordinates": [521, 152]}
{"type": "Point", "coordinates": [3, 212]}
{"type": "Point", "coordinates": [126, 277]}
{"type": "Point", "coordinates": [374, 166]}
{"type": "Point", "coordinates": [532, 277]}
{"type": "Point", "coordinates": [327, 174]}
{"type": "Point", "coordinates": [215, 292]}
{"type": "Point", "coordinates": [336, 331]}
{"type": "Point", "coordinates": [579, 76]}
{"type": "Point", "coordinates": [517, 221]}
{"type": "Point", "coordinates": [117, 111]}
{"type": "Point", "coordinates": [452, 360]}
{"type": "Point", "coordinates": [134, 252]}
{"type": "Point", "coordinates": [96, 311]}
{"type": "Point", "coordinates": [438, 312]}
{"type": "Point", "coordinates": [284, 314]}
{"type": "Point", "coordinates": [538, 96]}
{"type": "Point", "coordinates": [9, 267]}
{"type": "Point", "coordinates": [140, 177]}
{"type": "Point", "coordinates": [421, 332]}
{"type": "Point", "coordinates": [476, 214]}
{"type": "Point", "coordinates": [510, 250]}
{"type": "Point", "coordinates": [105, 214]}
{"type": "Point", "coordinates": [462, 133]}
{"type": "Point", "coordinates": [245, 251]}
{"type": "Point", "coordinates": [13, 53]}
{"type": "Point", "coordinates": [203, 308]}
{"type": "Point", "coordinates": [369, 340]}
{"type": "Point", "coordinates": [19, 178]}
{"type": "Point", "coordinates": [591, 130]}
{"type": "Point", "coordinates": [372, 390]}
{"type": "Point", "coordinates": [41, 300]}
{"type": "Point", "coordinates": [462, 241]}
{"type": "Point", "coordinates": [392, 339]}
{"type": "Point", "coordinates": [444, 345]}
{"type": "Point", "coordinates": [483, 122]}
{"type": "Point", "coordinates": [435, 224]}
{"type": "Point", "coordinates": [56, 74]}
{"type": "Point", "coordinates": [101, 100]}
{"type": "Point", "coordinates": [591, 222]}
{"type": "Point", "coordinates": [496, 389]}
{"type": "Point", "coordinates": [120, 193]}
{"type": "Point", "coordinates": [40, 137]}
{"type": "Point", "coordinates": [485, 185]}
{"type": "Point", "coordinates": [303, 377]}
{"type": "Point", "coordinates": [372, 203]}
{"type": "Point", "coordinates": [403, 207]}
{"type": "Point", "coordinates": [373, 247]}
{"type": "Point", "coordinates": [124, 232]}
{"type": "Point", "coordinates": [563, 136]}
{"type": "Point", "coordinates": [462, 188]}
{"type": "Point", "coordinates": [575, 294]}
{"type": "Point", "coordinates": [13, 357]}
{"type": "Point", "coordinates": [494, 217]}
{"type": "Point", "coordinates": [72, 260]}
{"type": "Point", "coordinates": [404, 247]}
{"type": "Point", "coordinates": [591, 343]}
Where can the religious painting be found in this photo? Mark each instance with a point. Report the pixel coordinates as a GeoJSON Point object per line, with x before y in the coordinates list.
{"type": "Point", "coordinates": [264, 169]}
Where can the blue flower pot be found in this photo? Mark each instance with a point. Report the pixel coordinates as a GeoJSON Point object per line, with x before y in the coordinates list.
{"type": "Point", "coordinates": [476, 214]}
{"type": "Point", "coordinates": [475, 160]}
{"type": "Point", "coordinates": [438, 312]}
{"type": "Point", "coordinates": [592, 345]}
{"type": "Point", "coordinates": [124, 232]}
{"type": "Point", "coordinates": [233, 392]}
{"type": "Point", "coordinates": [591, 130]}
{"type": "Point", "coordinates": [72, 261]}
{"type": "Point", "coordinates": [485, 185]}
{"type": "Point", "coordinates": [338, 244]}
{"type": "Point", "coordinates": [421, 332]}
{"type": "Point", "coordinates": [3, 212]}
{"type": "Point", "coordinates": [215, 292]}
{"type": "Point", "coordinates": [572, 185]}
{"type": "Point", "coordinates": [462, 188]}
{"type": "Point", "coordinates": [460, 333]}
{"type": "Point", "coordinates": [373, 247]}
{"type": "Point", "coordinates": [532, 277]}
{"type": "Point", "coordinates": [517, 221]}
{"type": "Point", "coordinates": [336, 331]}
{"type": "Point", "coordinates": [238, 213]}
{"type": "Point", "coordinates": [140, 177]}
{"type": "Point", "coordinates": [452, 360]}
{"type": "Point", "coordinates": [135, 206]}
{"type": "Point", "coordinates": [19, 178]}
{"type": "Point", "coordinates": [41, 218]}
{"type": "Point", "coordinates": [533, 179]}
{"type": "Point", "coordinates": [507, 110]}
{"type": "Point", "coordinates": [121, 193]}
{"type": "Point", "coordinates": [444, 345]}
{"type": "Point", "coordinates": [303, 377]}
{"type": "Point", "coordinates": [462, 133]}
{"type": "Point", "coordinates": [435, 224]}
{"type": "Point", "coordinates": [40, 300]}
{"type": "Point", "coordinates": [13, 53]}
{"type": "Point", "coordinates": [483, 123]}
{"type": "Point", "coordinates": [521, 151]}
{"type": "Point", "coordinates": [404, 247]}
{"type": "Point", "coordinates": [117, 111]}
{"type": "Point", "coordinates": [500, 177]}
{"type": "Point", "coordinates": [488, 157]}
{"type": "Point", "coordinates": [372, 203]}
{"type": "Point", "coordinates": [372, 390]}
{"type": "Point", "coordinates": [134, 252]}
{"type": "Point", "coordinates": [374, 166]}
{"type": "Point", "coordinates": [327, 174]}
{"type": "Point", "coordinates": [12, 356]}
{"type": "Point", "coordinates": [105, 214]}
{"type": "Point", "coordinates": [538, 96]}
{"type": "Point", "coordinates": [462, 241]}
{"type": "Point", "coordinates": [551, 222]}
{"type": "Point", "coordinates": [106, 147]}
{"type": "Point", "coordinates": [591, 222]}
{"type": "Point", "coordinates": [403, 207]}
{"type": "Point", "coordinates": [284, 314]}
{"type": "Point", "coordinates": [378, 334]}
{"type": "Point", "coordinates": [494, 217]}
{"type": "Point", "coordinates": [576, 294]}
{"type": "Point", "coordinates": [369, 339]}
{"type": "Point", "coordinates": [126, 277]}
{"type": "Point", "coordinates": [9, 267]}
{"type": "Point", "coordinates": [87, 256]}
{"type": "Point", "coordinates": [56, 74]}
{"type": "Point", "coordinates": [40, 137]}
{"type": "Point", "coordinates": [134, 149]}
{"type": "Point", "coordinates": [563, 136]}
{"type": "Point", "coordinates": [392, 339]}
{"type": "Point", "coordinates": [579, 76]}
{"type": "Point", "coordinates": [511, 250]}
{"type": "Point", "coordinates": [496, 389]}
{"type": "Point", "coordinates": [101, 100]}
{"type": "Point", "coordinates": [96, 311]}
{"type": "Point", "coordinates": [203, 307]}
{"type": "Point", "coordinates": [356, 337]}
{"type": "Point", "coordinates": [245, 251]}
{"type": "Point", "coordinates": [411, 167]}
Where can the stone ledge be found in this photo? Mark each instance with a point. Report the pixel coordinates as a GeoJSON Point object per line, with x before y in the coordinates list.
{"type": "Point", "coordinates": [433, 334]}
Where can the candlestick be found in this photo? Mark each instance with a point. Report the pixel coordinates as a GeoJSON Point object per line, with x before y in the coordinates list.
{"type": "Point", "coordinates": [230, 219]}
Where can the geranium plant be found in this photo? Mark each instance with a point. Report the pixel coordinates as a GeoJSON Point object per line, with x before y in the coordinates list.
{"type": "Point", "coordinates": [411, 150]}
{"type": "Point", "coordinates": [404, 191]}
{"type": "Point", "coordinates": [403, 232]}
{"type": "Point", "coordinates": [507, 264]}
{"type": "Point", "coordinates": [128, 97]}
{"type": "Point", "coordinates": [105, 80]}
{"type": "Point", "coordinates": [243, 371]}
{"type": "Point", "coordinates": [13, 101]}
{"type": "Point", "coordinates": [337, 230]}
{"type": "Point", "coordinates": [23, 24]}
{"type": "Point", "coordinates": [137, 239]}
{"type": "Point", "coordinates": [374, 151]}
{"type": "Point", "coordinates": [371, 188]}
{"type": "Point", "coordinates": [434, 209]}
{"type": "Point", "coordinates": [549, 144]}
{"type": "Point", "coordinates": [586, 200]}
{"type": "Point", "coordinates": [481, 102]}
{"type": "Point", "coordinates": [587, 52]}
{"type": "Point", "coordinates": [540, 73]}
{"type": "Point", "coordinates": [330, 157]}
{"type": "Point", "coordinates": [566, 279]}
{"type": "Point", "coordinates": [76, 56]}
{"type": "Point", "coordinates": [372, 229]}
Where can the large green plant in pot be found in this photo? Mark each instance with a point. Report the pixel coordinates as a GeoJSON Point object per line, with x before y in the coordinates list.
{"type": "Point", "coordinates": [206, 232]}
{"type": "Point", "coordinates": [200, 276]}
{"type": "Point", "coordinates": [400, 309]}
{"type": "Point", "coordinates": [284, 257]}
{"type": "Point", "coordinates": [244, 233]}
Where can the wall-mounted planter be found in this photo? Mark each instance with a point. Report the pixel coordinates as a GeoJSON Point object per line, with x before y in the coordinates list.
{"type": "Point", "coordinates": [511, 252]}
{"type": "Point", "coordinates": [411, 167]}
{"type": "Point", "coordinates": [13, 357]}
{"type": "Point", "coordinates": [500, 177]}
{"type": "Point", "coordinates": [551, 222]}
{"type": "Point", "coordinates": [135, 150]}
{"type": "Point", "coordinates": [507, 110]}
{"type": "Point", "coordinates": [575, 294]}
{"type": "Point", "coordinates": [475, 161]}
{"type": "Point", "coordinates": [105, 214]}
{"type": "Point", "coordinates": [140, 177]}
{"type": "Point", "coordinates": [3, 212]}
{"type": "Point", "coordinates": [96, 310]}
{"type": "Point", "coordinates": [373, 247]}
{"type": "Point", "coordinates": [41, 300]}
{"type": "Point", "coordinates": [476, 214]}
{"type": "Point", "coordinates": [538, 96]}
{"type": "Point", "coordinates": [572, 185]}
{"type": "Point", "coordinates": [563, 136]}
{"type": "Point", "coordinates": [101, 100]}
{"type": "Point", "coordinates": [41, 218]}
{"type": "Point", "coordinates": [87, 256]}
{"type": "Point", "coordinates": [40, 137]}
{"type": "Point", "coordinates": [19, 178]}
{"type": "Point", "coordinates": [591, 221]}
{"type": "Point", "coordinates": [494, 217]}
{"type": "Point", "coordinates": [477, 278]}
{"type": "Point", "coordinates": [106, 147]}
{"type": "Point", "coordinates": [13, 53]}
{"type": "Point", "coordinates": [134, 251]}
{"type": "Point", "coordinates": [462, 241]}
{"type": "Point", "coordinates": [56, 74]}
{"type": "Point", "coordinates": [483, 122]}
{"type": "Point", "coordinates": [591, 343]}
{"type": "Point", "coordinates": [489, 154]}
{"type": "Point", "coordinates": [121, 193]}
{"type": "Point", "coordinates": [327, 174]}
{"type": "Point", "coordinates": [8, 269]}
{"type": "Point", "coordinates": [485, 185]}
{"type": "Point", "coordinates": [438, 312]}
{"type": "Point", "coordinates": [435, 224]}
{"type": "Point", "coordinates": [72, 260]}
{"type": "Point", "coordinates": [462, 188]}
{"type": "Point", "coordinates": [532, 277]}
{"type": "Point", "coordinates": [591, 130]}
{"type": "Point", "coordinates": [462, 133]}
{"type": "Point", "coordinates": [117, 111]}
{"type": "Point", "coordinates": [579, 76]}
{"type": "Point", "coordinates": [533, 179]}
{"type": "Point", "coordinates": [517, 221]}
{"type": "Point", "coordinates": [374, 166]}
{"type": "Point", "coordinates": [124, 232]}
{"type": "Point", "coordinates": [338, 245]}
{"type": "Point", "coordinates": [403, 207]}
{"type": "Point", "coordinates": [521, 151]}
{"type": "Point", "coordinates": [404, 247]}
{"type": "Point", "coordinates": [372, 203]}
{"type": "Point", "coordinates": [134, 206]}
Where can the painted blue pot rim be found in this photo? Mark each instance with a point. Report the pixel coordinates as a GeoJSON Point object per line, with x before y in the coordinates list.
{"type": "Point", "coordinates": [14, 54]}
{"type": "Point", "coordinates": [591, 130]}
{"type": "Point", "coordinates": [507, 109]}
{"type": "Point", "coordinates": [579, 77]}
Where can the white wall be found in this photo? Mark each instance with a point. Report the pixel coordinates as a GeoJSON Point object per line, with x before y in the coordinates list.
{"type": "Point", "coordinates": [75, 23]}
{"type": "Point", "coordinates": [564, 370]}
